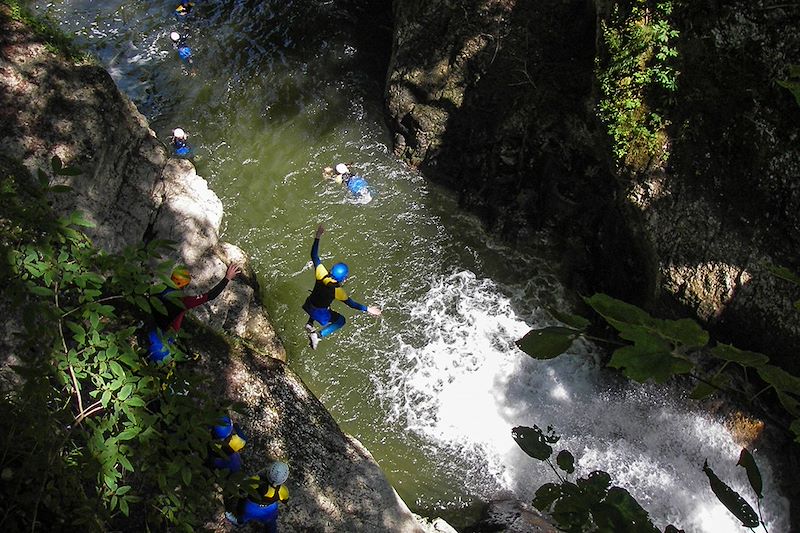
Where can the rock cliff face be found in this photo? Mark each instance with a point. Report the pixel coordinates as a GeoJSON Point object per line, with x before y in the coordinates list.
{"type": "Point", "coordinates": [497, 99]}
{"type": "Point", "coordinates": [135, 192]}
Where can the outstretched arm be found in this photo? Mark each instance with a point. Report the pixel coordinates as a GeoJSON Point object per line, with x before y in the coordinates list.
{"type": "Point", "coordinates": [315, 246]}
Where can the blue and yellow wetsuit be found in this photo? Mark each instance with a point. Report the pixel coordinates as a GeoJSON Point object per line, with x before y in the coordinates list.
{"type": "Point", "coordinates": [262, 505]}
{"type": "Point", "coordinates": [326, 290]}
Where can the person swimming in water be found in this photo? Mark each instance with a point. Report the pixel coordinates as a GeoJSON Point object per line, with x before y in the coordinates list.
{"type": "Point", "coordinates": [183, 9]}
{"type": "Point", "coordinates": [327, 288]}
{"type": "Point", "coordinates": [184, 51]}
{"type": "Point", "coordinates": [179, 142]}
{"type": "Point", "coordinates": [356, 185]}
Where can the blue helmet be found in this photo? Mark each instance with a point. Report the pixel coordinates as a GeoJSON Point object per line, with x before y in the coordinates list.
{"type": "Point", "coordinates": [339, 272]}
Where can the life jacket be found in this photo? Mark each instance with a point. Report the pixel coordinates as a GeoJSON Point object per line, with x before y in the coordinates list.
{"type": "Point", "coordinates": [324, 292]}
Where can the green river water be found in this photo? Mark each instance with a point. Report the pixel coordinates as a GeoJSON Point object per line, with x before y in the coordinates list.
{"type": "Point", "coordinates": [279, 90]}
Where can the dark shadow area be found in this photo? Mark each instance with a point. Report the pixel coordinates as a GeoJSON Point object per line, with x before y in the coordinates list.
{"type": "Point", "coordinates": [735, 151]}
{"type": "Point", "coordinates": [524, 149]}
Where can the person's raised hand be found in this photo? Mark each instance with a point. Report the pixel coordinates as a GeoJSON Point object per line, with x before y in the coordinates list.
{"type": "Point", "coordinates": [320, 231]}
{"type": "Point", "coordinates": [233, 271]}
{"type": "Point", "coordinates": [374, 311]}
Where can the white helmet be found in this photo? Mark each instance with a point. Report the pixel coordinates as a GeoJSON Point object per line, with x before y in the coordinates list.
{"type": "Point", "coordinates": [278, 473]}
{"type": "Point", "coordinates": [175, 36]}
{"type": "Point", "coordinates": [341, 168]}
{"type": "Point", "coordinates": [178, 133]}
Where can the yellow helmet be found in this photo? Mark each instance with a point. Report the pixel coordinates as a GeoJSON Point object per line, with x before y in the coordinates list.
{"type": "Point", "coordinates": [181, 277]}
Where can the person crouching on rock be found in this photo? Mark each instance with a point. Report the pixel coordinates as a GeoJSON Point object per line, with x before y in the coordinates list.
{"type": "Point", "coordinates": [261, 503]}
{"type": "Point", "coordinates": [167, 325]}
{"type": "Point", "coordinates": [228, 441]}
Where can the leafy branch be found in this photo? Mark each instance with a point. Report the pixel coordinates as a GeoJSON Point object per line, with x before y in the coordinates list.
{"type": "Point", "coordinates": [660, 349]}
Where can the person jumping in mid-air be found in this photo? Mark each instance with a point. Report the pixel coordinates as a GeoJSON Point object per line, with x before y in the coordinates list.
{"type": "Point", "coordinates": [327, 288]}
{"type": "Point", "coordinates": [356, 185]}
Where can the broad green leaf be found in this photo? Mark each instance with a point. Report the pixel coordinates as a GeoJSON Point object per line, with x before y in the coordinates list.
{"type": "Point", "coordinates": [618, 312]}
{"type": "Point", "coordinates": [142, 302]}
{"type": "Point", "coordinates": [135, 401]}
{"type": "Point", "coordinates": [789, 403]}
{"type": "Point", "coordinates": [125, 391]}
{"type": "Point", "coordinates": [733, 354]}
{"type": "Point", "coordinates": [123, 506]}
{"type": "Point", "coordinates": [105, 398]}
{"type": "Point", "coordinates": [158, 305]}
{"type": "Point", "coordinates": [55, 163]}
{"type": "Point", "coordinates": [747, 461]}
{"type": "Point", "coordinates": [534, 442]}
{"type": "Point", "coordinates": [116, 368]}
{"type": "Point", "coordinates": [76, 219]}
{"type": "Point", "coordinates": [186, 475]}
{"type": "Point", "coordinates": [565, 461]}
{"type": "Point", "coordinates": [731, 499]}
{"type": "Point", "coordinates": [623, 514]}
{"type": "Point", "coordinates": [595, 485]}
{"type": "Point", "coordinates": [129, 433]}
{"type": "Point", "coordinates": [650, 358]}
{"type": "Point", "coordinates": [126, 464]}
{"type": "Point", "coordinates": [779, 378]}
{"type": "Point", "coordinates": [546, 495]}
{"type": "Point", "coordinates": [574, 321]}
{"type": "Point", "coordinates": [41, 291]}
{"type": "Point", "coordinates": [547, 343]}
{"type": "Point", "coordinates": [685, 332]}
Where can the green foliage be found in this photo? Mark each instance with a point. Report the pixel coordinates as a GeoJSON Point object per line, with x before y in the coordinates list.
{"type": "Point", "coordinates": [747, 462]}
{"type": "Point", "coordinates": [793, 82]}
{"type": "Point", "coordinates": [588, 504]}
{"type": "Point", "coordinates": [657, 349]}
{"type": "Point", "coordinates": [638, 62]}
{"type": "Point", "coordinates": [731, 499]}
{"type": "Point", "coordinates": [55, 40]}
{"type": "Point", "coordinates": [547, 343]}
{"type": "Point", "coordinates": [534, 441]}
{"type": "Point", "coordinates": [93, 434]}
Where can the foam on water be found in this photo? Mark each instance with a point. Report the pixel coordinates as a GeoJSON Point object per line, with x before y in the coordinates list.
{"type": "Point", "coordinates": [458, 380]}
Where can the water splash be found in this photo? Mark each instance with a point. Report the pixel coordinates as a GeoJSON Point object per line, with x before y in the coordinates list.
{"type": "Point", "coordinates": [458, 380]}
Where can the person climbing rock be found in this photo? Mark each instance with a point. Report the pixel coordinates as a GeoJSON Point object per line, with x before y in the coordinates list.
{"type": "Point", "coordinates": [327, 288]}
{"type": "Point", "coordinates": [228, 441]}
{"type": "Point", "coordinates": [167, 325]}
{"type": "Point", "coordinates": [356, 185]}
{"type": "Point", "coordinates": [261, 503]}
{"type": "Point", "coordinates": [184, 51]}
{"type": "Point", "coordinates": [180, 143]}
